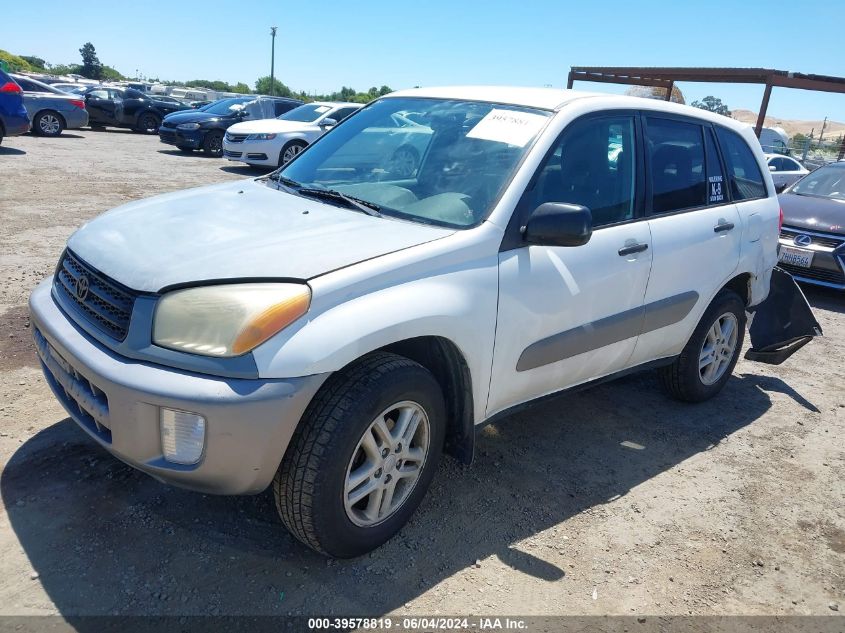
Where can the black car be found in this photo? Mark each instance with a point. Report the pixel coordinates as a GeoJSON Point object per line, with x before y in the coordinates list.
{"type": "Point", "coordinates": [812, 240]}
{"type": "Point", "coordinates": [113, 106]}
{"type": "Point", "coordinates": [204, 128]}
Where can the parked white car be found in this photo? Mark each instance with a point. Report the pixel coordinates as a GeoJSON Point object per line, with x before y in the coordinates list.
{"type": "Point", "coordinates": [330, 329]}
{"type": "Point", "coordinates": [273, 142]}
{"type": "Point", "coordinates": [785, 170]}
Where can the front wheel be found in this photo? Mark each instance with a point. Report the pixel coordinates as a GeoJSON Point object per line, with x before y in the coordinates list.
{"type": "Point", "coordinates": [709, 357]}
{"type": "Point", "coordinates": [291, 151]}
{"type": "Point", "coordinates": [212, 144]}
{"type": "Point", "coordinates": [363, 456]}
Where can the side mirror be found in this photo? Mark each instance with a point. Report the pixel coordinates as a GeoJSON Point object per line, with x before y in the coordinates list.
{"type": "Point", "coordinates": [772, 168]}
{"type": "Point", "coordinates": [779, 188]}
{"type": "Point", "coordinates": [559, 224]}
{"type": "Point", "coordinates": [328, 123]}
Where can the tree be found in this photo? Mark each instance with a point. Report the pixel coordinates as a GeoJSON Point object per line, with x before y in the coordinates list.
{"type": "Point", "coordinates": [36, 62]}
{"type": "Point", "coordinates": [262, 86]}
{"type": "Point", "coordinates": [712, 104]}
{"type": "Point", "coordinates": [14, 62]}
{"type": "Point", "coordinates": [653, 92]}
{"type": "Point", "coordinates": [91, 66]}
{"type": "Point", "coordinates": [241, 88]}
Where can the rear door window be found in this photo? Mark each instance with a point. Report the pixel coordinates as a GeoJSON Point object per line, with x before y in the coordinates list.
{"type": "Point", "coordinates": [744, 175]}
{"type": "Point", "coordinates": [677, 165]}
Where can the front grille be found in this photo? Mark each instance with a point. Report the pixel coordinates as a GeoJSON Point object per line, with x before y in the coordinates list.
{"type": "Point", "coordinates": [107, 305]}
{"type": "Point", "coordinates": [817, 274]}
{"type": "Point", "coordinates": [84, 400]}
{"type": "Point", "coordinates": [830, 241]}
{"type": "Point", "coordinates": [236, 138]}
{"type": "Point", "coordinates": [229, 154]}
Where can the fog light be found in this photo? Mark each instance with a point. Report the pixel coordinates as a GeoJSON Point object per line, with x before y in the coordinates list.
{"type": "Point", "coordinates": [182, 435]}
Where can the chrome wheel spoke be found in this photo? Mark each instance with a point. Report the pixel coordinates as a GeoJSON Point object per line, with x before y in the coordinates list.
{"type": "Point", "coordinates": [360, 475]}
{"type": "Point", "coordinates": [373, 509]}
{"type": "Point", "coordinates": [363, 492]}
{"type": "Point", "coordinates": [718, 348]}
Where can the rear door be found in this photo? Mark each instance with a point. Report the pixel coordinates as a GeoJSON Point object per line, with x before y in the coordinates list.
{"type": "Point", "coordinates": [570, 314]}
{"type": "Point", "coordinates": [695, 230]}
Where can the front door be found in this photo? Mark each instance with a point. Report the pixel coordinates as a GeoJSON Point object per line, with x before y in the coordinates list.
{"type": "Point", "coordinates": [570, 314]}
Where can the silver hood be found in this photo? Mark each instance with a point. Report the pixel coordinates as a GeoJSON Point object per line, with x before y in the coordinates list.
{"type": "Point", "coordinates": [235, 230]}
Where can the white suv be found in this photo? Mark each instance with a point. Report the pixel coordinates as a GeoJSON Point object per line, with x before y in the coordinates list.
{"type": "Point", "coordinates": [334, 327]}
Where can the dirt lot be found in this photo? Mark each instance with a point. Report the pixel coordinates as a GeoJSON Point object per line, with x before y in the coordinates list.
{"type": "Point", "coordinates": [615, 500]}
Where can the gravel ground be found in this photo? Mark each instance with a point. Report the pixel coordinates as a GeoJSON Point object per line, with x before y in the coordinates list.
{"type": "Point", "coordinates": [615, 500]}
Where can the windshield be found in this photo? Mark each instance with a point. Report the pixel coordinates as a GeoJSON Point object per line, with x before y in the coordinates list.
{"type": "Point", "coordinates": [226, 106]}
{"type": "Point", "coordinates": [305, 113]}
{"type": "Point", "coordinates": [826, 182]}
{"type": "Point", "coordinates": [429, 160]}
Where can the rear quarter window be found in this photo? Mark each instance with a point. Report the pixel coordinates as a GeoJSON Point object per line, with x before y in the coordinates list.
{"type": "Point", "coordinates": [744, 175]}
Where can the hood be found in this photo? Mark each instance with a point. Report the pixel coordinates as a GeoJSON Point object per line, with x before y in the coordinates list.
{"type": "Point", "coordinates": [236, 230]}
{"type": "Point", "coordinates": [271, 125]}
{"type": "Point", "coordinates": [813, 213]}
{"type": "Point", "coordinates": [194, 116]}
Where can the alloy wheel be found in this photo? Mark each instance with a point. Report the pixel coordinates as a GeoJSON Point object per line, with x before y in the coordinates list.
{"type": "Point", "coordinates": [386, 463]}
{"type": "Point", "coordinates": [49, 124]}
{"type": "Point", "coordinates": [718, 348]}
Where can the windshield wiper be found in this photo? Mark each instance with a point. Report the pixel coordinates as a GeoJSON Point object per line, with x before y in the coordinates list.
{"type": "Point", "coordinates": [287, 182]}
{"type": "Point", "coordinates": [365, 206]}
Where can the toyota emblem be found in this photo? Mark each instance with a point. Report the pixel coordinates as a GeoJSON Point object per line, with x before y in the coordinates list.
{"type": "Point", "coordinates": [81, 289]}
{"type": "Point", "coordinates": [802, 240]}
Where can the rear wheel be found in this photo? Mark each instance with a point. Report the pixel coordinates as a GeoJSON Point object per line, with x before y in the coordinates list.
{"type": "Point", "coordinates": [148, 123]}
{"type": "Point", "coordinates": [212, 144]}
{"type": "Point", "coordinates": [48, 123]}
{"type": "Point", "coordinates": [363, 456]}
{"type": "Point", "coordinates": [291, 151]}
{"type": "Point", "coordinates": [709, 357]}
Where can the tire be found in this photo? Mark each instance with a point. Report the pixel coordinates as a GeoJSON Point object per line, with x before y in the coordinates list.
{"type": "Point", "coordinates": [328, 447]}
{"type": "Point", "coordinates": [185, 148]}
{"type": "Point", "coordinates": [212, 144]}
{"type": "Point", "coordinates": [97, 128]}
{"type": "Point", "coordinates": [290, 151]}
{"type": "Point", "coordinates": [686, 379]}
{"type": "Point", "coordinates": [404, 162]}
{"type": "Point", "coordinates": [48, 123]}
{"type": "Point", "coordinates": [148, 123]}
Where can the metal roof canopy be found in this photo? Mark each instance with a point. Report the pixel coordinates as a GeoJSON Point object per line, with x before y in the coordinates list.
{"type": "Point", "coordinates": [666, 78]}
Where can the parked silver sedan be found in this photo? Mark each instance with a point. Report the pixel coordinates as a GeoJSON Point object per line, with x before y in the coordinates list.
{"type": "Point", "coordinates": [50, 109]}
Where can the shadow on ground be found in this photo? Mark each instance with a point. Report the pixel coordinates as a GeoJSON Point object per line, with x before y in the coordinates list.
{"type": "Point", "coordinates": [10, 151]}
{"type": "Point", "coordinates": [108, 540]}
{"type": "Point", "coordinates": [825, 298]}
{"type": "Point", "coordinates": [246, 170]}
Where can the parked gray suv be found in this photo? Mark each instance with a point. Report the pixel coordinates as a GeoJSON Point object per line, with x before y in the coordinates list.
{"type": "Point", "coordinates": [50, 109]}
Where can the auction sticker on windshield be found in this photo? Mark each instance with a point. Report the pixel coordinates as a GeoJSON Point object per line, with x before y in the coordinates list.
{"type": "Point", "coordinates": [508, 126]}
{"type": "Point", "coordinates": [795, 256]}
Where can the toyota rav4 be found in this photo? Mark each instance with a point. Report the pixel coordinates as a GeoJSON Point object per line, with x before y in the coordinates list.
{"type": "Point", "coordinates": [331, 329]}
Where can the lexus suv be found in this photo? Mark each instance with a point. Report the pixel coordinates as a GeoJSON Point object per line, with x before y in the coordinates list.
{"type": "Point", "coordinates": [333, 328]}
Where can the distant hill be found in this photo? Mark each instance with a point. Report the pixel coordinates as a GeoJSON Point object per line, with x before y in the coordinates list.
{"type": "Point", "coordinates": [792, 126]}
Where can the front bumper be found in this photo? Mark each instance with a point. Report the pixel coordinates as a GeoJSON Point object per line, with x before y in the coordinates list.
{"type": "Point", "coordinates": [828, 264]}
{"type": "Point", "coordinates": [182, 138]}
{"type": "Point", "coordinates": [116, 400]}
{"type": "Point", "coordinates": [252, 152]}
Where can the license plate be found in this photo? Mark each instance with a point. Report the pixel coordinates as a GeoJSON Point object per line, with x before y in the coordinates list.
{"type": "Point", "coordinates": [796, 256]}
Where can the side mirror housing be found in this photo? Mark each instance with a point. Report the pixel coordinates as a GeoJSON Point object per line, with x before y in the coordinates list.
{"type": "Point", "coordinates": [559, 224]}
{"type": "Point", "coordinates": [772, 168]}
{"type": "Point", "coordinates": [328, 123]}
{"type": "Point", "coordinates": [780, 188]}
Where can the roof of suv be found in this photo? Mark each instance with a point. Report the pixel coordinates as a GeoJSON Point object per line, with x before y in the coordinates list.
{"type": "Point", "coordinates": [555, 99]}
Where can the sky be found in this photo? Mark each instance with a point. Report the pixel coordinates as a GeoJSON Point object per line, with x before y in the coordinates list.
{"type": "Point", "coordinates": [321, 46]}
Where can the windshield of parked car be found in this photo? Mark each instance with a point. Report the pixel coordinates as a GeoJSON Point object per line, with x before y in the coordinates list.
{"type": "Point", "coordinates": [227, 106]}
{"type": "Point", "coordinates": [305, 113]}
{"type": "Point", "coordinates": [825, 182]}
{"type": "Point", "coordinates": [447, 165]}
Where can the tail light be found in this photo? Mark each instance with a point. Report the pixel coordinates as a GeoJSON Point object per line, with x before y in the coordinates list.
{"type": "Point", "coordinates": [78, 103]}
{"type": "Point", "coordinates": [10, 86]}
{"type": "Point", "coordinates": [780, 220]}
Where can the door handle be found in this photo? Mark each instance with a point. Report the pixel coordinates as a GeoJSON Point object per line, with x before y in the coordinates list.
{"type": "Point", "coordinates": [633, 248]}
{"type": "Point", "coordinates": [723, 226]}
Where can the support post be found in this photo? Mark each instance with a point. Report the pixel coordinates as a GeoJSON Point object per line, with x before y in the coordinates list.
{"type": "Point", "coordinates": [758, 129]}
{"type": "Point", "coordinates": [842, 148]}
{"type": "Point", "coordinates": [570, 81]}
{"type": "Point", "coordinates": [669, 91]}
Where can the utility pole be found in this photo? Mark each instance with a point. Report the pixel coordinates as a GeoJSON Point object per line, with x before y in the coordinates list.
{"type": "Point", "coordinates": [272, 59]}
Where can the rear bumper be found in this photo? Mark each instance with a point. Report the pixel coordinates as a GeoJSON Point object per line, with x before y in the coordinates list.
{"type": "Point", "coordinates": [192, 138]}
{"type": "Point", "coordinates": [75, 118]}
{"type": "Point", "coordinates": [116, 401]}
{"type": "Point", "coordinates": [16, 125]}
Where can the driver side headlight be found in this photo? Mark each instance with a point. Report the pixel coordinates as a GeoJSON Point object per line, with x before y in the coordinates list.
{"type": "Point", "coordinates": [266, 136]}
{"type": "Point", "coordinates": [227, 320]}
{"type": "Point", "coordinates": [188, 126]}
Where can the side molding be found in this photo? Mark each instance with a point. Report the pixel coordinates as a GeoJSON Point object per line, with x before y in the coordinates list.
{"type": "Point", "coordinates": [606, 331]}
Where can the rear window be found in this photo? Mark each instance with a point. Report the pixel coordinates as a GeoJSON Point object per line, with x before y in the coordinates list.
{"type": "Point", "coordinates": [744, 175]}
